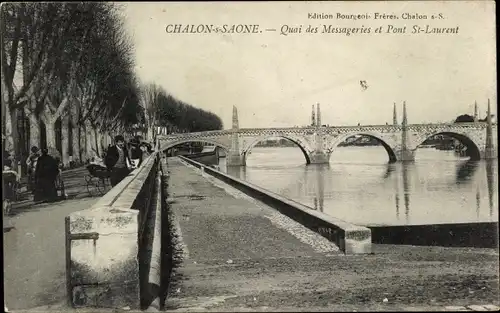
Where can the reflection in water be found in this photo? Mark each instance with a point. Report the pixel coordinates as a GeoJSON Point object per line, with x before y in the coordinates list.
{"type": "Point", "coordinates": [391, 167]}
{"type": "Point", "coordinates": [490, 181]}
{"type": "Point", "coordinates": [478, 201]}
{"type": "Point", "coordinates": [319, 197]}
{"type": "Point", "coordinates": [406, 190]}
{"type": "Point", "coordinates": [236, 171]}
{"type": "Point", "coordinates": [466, 171]}
{"type": "Point", "coordinates": [396, 188]}
{"type": "Point", "coordinates": [439, 188]}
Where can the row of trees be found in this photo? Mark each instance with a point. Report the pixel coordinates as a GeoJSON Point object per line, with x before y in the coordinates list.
{"type": "Point", "coordinates": [162, 109]}
{"type": "Point", "coordinates": [66, 62]}
{"type": "Point", "coordinates": [72, 64]}
{"type": "Point", "coordinates": [466, 118]}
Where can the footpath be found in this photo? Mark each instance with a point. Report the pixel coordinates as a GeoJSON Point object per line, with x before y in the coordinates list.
{"type": "Point", "coordinates": [237, 254]}
{"type": "Point", "coordinates": [34, 258]}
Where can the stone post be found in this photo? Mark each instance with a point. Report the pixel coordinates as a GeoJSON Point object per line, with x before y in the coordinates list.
{"type": "Point", "coordinates": [489, 152]}
{"type": "Point", "coordinates": [405, 154]}
{"type": "Point", "coordinates": [235, 158]}
{"type": "Point", "coordinates": [394, 116]}
{"type": "Point", "coordinates": [318, 116]}
{"type": "Point", "coordinates": [319, 155]}
{"type": "Point", "coordinates": [475, 111]}
{"type": "Point", "coordinates": [313, 117]}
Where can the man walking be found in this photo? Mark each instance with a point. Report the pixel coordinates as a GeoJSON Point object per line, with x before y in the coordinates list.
{"type": "Point", "coordinates": [135, 152]}
{"type": "Point", "coordinates": [117, 161]}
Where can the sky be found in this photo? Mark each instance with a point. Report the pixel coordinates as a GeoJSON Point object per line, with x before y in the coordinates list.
{"type": "Point", "coordinates": [274, 79]}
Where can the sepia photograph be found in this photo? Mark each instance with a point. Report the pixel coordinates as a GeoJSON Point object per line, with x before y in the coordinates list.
{"type": "Point", "coordinates": [249, 156]}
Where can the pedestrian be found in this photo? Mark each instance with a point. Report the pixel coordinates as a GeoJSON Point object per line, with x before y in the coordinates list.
{"type": "Point", "coordinates": [117, 161]}
{"type": "Point", "coordinates": [136, 154]}
{"type": "Point", "coordinates": [10, 182]}
{"type": "Point", "coordinates": [144, 149]}
{"type": "Point", "coordinates": [31, 163]}
{"type": "Point", "coordinates": [46, 172]}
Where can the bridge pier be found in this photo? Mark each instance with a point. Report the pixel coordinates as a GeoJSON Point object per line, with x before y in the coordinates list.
{"type": "Point", "coordinates": [490, 153]}
{"type": "Point", "coordinates": [318, 157]}
{"type": "Point", "coordinates": [405, 155]}
{"type": "Point", "coordinates": [234, 159]}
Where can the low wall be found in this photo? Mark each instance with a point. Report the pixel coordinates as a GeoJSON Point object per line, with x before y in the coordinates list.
{"type": "Point", "coordinates": [351, 239]}
{"type": "Point", "coordinates": [478, 235]}
{"type": "Point", "coordinates": [113, 245]}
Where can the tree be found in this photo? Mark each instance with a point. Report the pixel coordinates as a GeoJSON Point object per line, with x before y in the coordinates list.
{"type": "Point", "coordinates": [26, 36]}
{"type": "Point", "coordinates": [464, 118]}
{"type": "Point", "coordinates": [76, 64]}
{"type": "Point", "coordinates": [152, 98]}
{"type": "Point", "coordinates": [163, 109]}
{"type": "Point", "coordinates": [485, 119]}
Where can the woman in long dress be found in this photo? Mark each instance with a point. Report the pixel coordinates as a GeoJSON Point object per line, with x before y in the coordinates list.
{"type": "Point", "coordinates": [10, 180]}
{"type": "Point", "coordinates": [31, 163]}
{"type": "Point", "coordinates": [46, 173]}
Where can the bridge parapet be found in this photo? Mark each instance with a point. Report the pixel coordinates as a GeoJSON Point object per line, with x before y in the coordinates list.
{"type": "Point", "coordinates": [109, 246]}
{"type": "Point", "coordinates": [318, 142]}
{"type": "Point", "coordinates": [196, 134]}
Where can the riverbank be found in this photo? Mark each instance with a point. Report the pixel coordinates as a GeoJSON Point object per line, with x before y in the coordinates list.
{"type": "Point", "coordinates": [235, 253]}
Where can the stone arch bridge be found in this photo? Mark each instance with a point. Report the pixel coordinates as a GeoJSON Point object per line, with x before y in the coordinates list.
{"type": "Point", "coordinates": [318, 142]}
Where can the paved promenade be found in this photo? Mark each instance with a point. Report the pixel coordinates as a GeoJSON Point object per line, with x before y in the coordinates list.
{"type": "Point", "coordinates": [237, 254]}
{"type": "Point", "coordinates": [34, 259]}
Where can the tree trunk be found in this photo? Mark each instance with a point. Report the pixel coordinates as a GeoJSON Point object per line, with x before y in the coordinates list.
{"type": "Point", "coordinates": [34, 130]}
{"type": "Point", "coordinates": [10, 132]}
{"type": "Point", "coordinates": [83, 143]}
{"type": "Point", "coordinates": [97, 137]}
{"type": "Point", "coordinates": [51, 133]}
{"type": "Point", "coordinates": [76, 143]}
{"type": "Point", "coordinates": [106, 140]}
{"type": "Point", "coordinates": [75, 113]}
{"type": "Point", "coordinates": [150, 135]}
{"type": "Point", "coordinates": [88, 141]}
{"type": "Point", "coordinates": [65, 140]}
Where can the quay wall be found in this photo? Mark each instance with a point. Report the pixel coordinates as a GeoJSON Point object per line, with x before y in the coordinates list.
{"type": "Point", "coordinates": [477, 235]}
{"type": "Point", "coordinates": [114, 248]}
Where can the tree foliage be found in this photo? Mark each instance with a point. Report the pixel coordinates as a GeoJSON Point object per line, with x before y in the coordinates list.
{"type": "Point", "coordinates": [76, 59]}
{"type": "Point", "coordinates": [163, 109]}
{"type": "Point", "coordinates": [464, 118]}
{"type": "Point", "coordinates": [61, 55]}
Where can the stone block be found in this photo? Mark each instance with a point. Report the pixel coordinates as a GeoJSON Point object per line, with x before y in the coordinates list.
{"type": "Point", "coordinates": [477, 308]}
{"type": "Point", "coordinates": [491, 307]}
{"type": "Point", "coordinates": [455, 308]}
{"type": "Point", "coordinates": [105, 271]}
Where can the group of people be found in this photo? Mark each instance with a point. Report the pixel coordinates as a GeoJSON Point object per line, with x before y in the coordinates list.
{"type": "Point", "coordinates": [121, 158]}
{"type": "Point", "coordinates": [44, 168]}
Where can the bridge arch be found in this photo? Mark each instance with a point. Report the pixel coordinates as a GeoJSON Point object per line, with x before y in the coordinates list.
{"type": "Point", "coordinates": [473, 150]}
{"type": "Point", "coordinates": [165, 146]}
{"type": "Point", "coordinates": [388, 147]}
{"type": "Point", "coordinates": [297, 141]}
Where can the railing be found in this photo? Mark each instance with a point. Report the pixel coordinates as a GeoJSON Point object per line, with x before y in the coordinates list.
{"type": "Point", "coordinates": [114, 248]}
{"type": "Point", "coordinates": [473, 125]}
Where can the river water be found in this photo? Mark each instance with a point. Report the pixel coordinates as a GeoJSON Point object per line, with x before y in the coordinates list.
{"type": "Point", "coordinates": [359, 185]}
